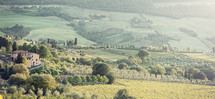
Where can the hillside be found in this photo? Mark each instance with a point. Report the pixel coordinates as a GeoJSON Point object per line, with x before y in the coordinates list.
{"type": "Point", "coordinates": [116, 28]}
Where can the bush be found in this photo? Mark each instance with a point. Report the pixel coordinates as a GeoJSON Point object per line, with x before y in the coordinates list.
{"type": "Point", "coordinates": [83, 79]}
{"type": "Point", "coordinates": [84, 61]}
{"type": "Point", "coordinates": [65, 81]}
{"type": "Point", "coordinates": [98, 59]}
{"type": "Point", "coordinates": [105, 79]}
{"type": "Point", "coordinates": [111, 78]}
{"type": "Point", "coordinates": [76, 80]}
{"type": "Point", "coordinates": [21, 90]}
{"type": "Point", "coordinates": [123, 66]}
{"type": "Point", "coordinates": [94, 79]}
{"type": "Point", "coordinates": [101, 69]}
{"type": "Point", "coordinates": [89, 79]}
{"type": "Point", "coordinates": [56, 93]}
{"type": "Point", "coordinates": [45, 81]}
{"type": "Point", "coordinates": [128, 62]}
{"type": "Point", "coordinates": [20, 68]}
{"type": "Point", "coordinates": [123, 94]}
{"type": "Point", "coordinates": [12, 90]}
{"type": "Point", "coordinates": [17, 79]}
{"type": "Point", "coordinates": [143, 54]}
{"type": "Point", "coordinates": [100, 78]}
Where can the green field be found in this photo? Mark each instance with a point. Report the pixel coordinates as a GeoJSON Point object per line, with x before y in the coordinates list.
{"type": "Point", "coordinates": [167, 26]}
{"type": "Point", "coordinates": [150, 89]}
{"type": "Point", "coordinates": [43, 27]}
{"type": "Point", "coordinates": [115, 28]}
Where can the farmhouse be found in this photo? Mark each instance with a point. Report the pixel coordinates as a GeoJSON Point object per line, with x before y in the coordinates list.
{"type": "Point", "coordinates": [33, 58]}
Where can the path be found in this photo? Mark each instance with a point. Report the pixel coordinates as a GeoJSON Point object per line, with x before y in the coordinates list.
{"type": "Point", "coordinates": [42, 64]}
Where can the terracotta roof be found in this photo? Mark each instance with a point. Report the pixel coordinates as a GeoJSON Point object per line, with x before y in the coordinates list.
{"type": "Point", "coordinates": [19, 51]}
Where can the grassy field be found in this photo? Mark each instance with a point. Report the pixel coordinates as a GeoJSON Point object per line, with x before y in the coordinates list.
{"type": "Point", "coordinates": [42, 27]}
{"type": "Point", "coordinates": [167, 26]}
{"type": "Point", "coordinates": [115, 54]}
{"type": "Point", "coordinates": [150, 89]}
{"type": "Point", "coordinates": [201, 56]}
{"type": "Point", "coordinates": [106, 55]}
{"type": "Point", "coordinates": [56, 28]}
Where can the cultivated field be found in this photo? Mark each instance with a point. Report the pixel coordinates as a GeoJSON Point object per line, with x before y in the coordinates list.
{"type": "Point", "coordinates": [150, 89]}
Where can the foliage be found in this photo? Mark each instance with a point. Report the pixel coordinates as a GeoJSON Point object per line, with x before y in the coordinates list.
{"type": "Point", "coordinates": [42, 81]}
{"type": "Point", "coordinates": [98, 59]}
{"type": "Point", "coordinates": [12, 90]}
{"type": "Point", "coordinates": [85, 61]}
{"type": "Point", "coordinates": [143, 54]}
{"type": "Point", "coordinates": [123, 94]}
{"type": "Point", "coordinates": [111, 78]}
{"type": "Point", "coordinates": [17, 79]}
{"type": "Point", "coordinates": [21, 60]}
{"type": "Point", "coordinates": [158, 70]}
{"type": "Point", "coordinates": [15, 46]}
{"type": "Point", "coordinates": [44, 52]}
{"type": "Point", "coordinates": [76, 80]}
{"type": "Point", "coordinates": [127, 61]}
{"type": "Point", "coordinates": [5, 42]}
{"type": "Point", "coordinates": [20, 68]}
{"type": "Point", "coordinates": [123, 66]}
{"type": "Point", "coordinates": [101, 69]}
{"type": "Point", "coordinates": [17, 31]}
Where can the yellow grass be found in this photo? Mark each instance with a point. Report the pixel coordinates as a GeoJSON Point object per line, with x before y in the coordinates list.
{"type": "Point", "coordinates": [200, 56]}
{"type": "Point", "coordinates": [150, 90]}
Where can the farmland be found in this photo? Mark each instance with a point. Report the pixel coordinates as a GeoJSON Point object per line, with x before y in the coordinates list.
{"type": "Point", "coordinates": [149, 89]}
{"type": "Point", "coordinates": [42, 27]}
{"type": "Point", "coordinates": [115, 28]}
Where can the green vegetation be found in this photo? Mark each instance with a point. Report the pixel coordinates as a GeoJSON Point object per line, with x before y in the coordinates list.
{"type": "Point", "coordinates": [102, 47]}
{"type": "Point", "coordinates": [17, 31]}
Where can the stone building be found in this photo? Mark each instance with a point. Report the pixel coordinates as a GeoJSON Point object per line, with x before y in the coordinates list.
{"type": "Point", "coordinates": [33, 58]}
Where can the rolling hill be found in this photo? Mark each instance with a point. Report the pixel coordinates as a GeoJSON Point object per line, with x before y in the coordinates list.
{"type": "Point", "coordinates": [116, 28]}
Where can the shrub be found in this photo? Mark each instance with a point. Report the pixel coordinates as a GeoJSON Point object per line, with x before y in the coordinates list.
{"type": "Point", "coordinates": [94, 79]}
{"type": "Point", "coordinates": [111, 78]}
{"type": "Point", "coordinates": [65, 81]}
{"type": "Point", "coordinates": [89, 79]}
{"type": "Point", "coordinates": [42, 81]}
{"type": "Point", "coordinates": [17, 79]}
{"type": "Point", "coordinates": [20, 68]}
{"type": "Point", "coordinates": [101, 69]}
{"type": "Point", "coordinates": [76, 80]}
{"type": "Point", "coordinates": [123, 94]}
{"type": "Point", "coordinates": [84, 61]}
{"type": "Point", "coordinates": [122, 66]}
{"type": "Point", "coordinates": [12, 90]}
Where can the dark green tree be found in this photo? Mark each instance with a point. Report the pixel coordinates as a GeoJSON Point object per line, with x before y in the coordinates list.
{"type": "Point", "coordinates": [89, 79]}
{"type": "Point", "coordinates": [123, 66]}
{"type": "Point", "coordinates": [111, 77]}
{"type": "Point", "coordinates": [76, 41]}
{"type": "Point", "coordinates": [17, 79]}
{"type": "Point", "coordinates": [123, 94]}
{"type": "Point", "coordinates": [143, 54]}
{"type": "Point", "coordinates": [101, 69]}
{"type": "Point", "coordinates": [76, 80]}
{"type": "Point", "coordinates": [42, 81]}
{"type": "Point", "coordinates": [25, 47]}
{"type": "Point", "coordinates": [158, 70]}
{"type": "Point", "coordinates": [21, 60]}
{"type": "Point", "coordinates": [34, 49]}
{"type": "Point", "coordinates": [15, 46]}
{"type": "Point", "coordinates": [44, 52]}
{"type": "Point", "coordinates": [94, 79]}
{"type": "Point", "coordinates": [65, 81]}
